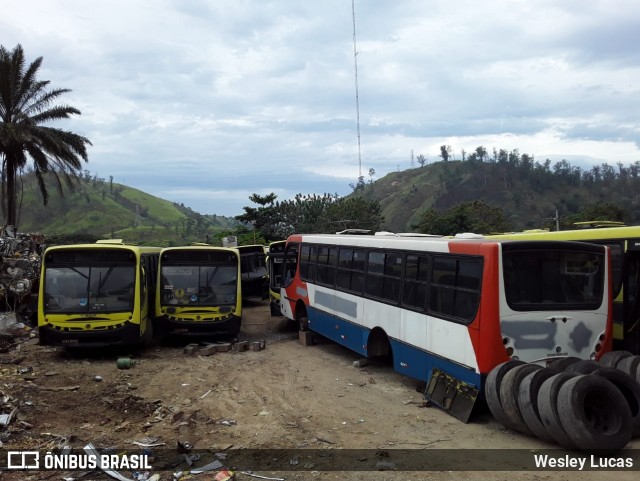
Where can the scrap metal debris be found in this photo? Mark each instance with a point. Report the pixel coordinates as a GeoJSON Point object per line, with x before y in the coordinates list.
{"type": "Point", "coordinates": [20, 258]}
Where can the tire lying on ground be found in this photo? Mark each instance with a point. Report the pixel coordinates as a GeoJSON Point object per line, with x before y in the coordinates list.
{"type": "Point", "coordinates": [630, 391]}
{"type": "Point", "coordinates": [548, 408]}
{"type": "Point", "coordinates": [629, 365]}
{"type": "Point", "coordinates": [562, 364]}
{"type": "Point", "coordinates": [584, 367]}
{"type": "Point", "coordinates": [509, 388]}
{"type": "Point", "coordinates": [528, 402]}
{"type": "Point", "coordinates": [612, 358]}
{"type": "Point", "coordinates": [594, 413]}
{"type": "Point", "coordinates": [492, 389]}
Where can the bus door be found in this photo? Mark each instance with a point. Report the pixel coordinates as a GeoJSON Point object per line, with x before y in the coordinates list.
{"type": "Point", "coordinates": [275, 268]}
{"type": "Point", "coordinates": [289, 268]}
{"type": "Point", "coordinates": [631, 292]}
{"type": "Point", "coordinates": [146, 325]}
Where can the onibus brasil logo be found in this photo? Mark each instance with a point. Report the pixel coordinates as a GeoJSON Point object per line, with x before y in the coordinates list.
{"type": "Point", "coordinates": [90, 459]}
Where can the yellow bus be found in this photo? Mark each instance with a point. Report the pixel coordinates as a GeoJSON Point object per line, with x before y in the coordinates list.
{"type": "Point", "coordinates": [199, 292]}
{"type": "Point", "coordinates": [253, 268]}
{"type": "Point", "coordinates": [98, 294]}
{"type": "Point", "coordinates": [624, 245]}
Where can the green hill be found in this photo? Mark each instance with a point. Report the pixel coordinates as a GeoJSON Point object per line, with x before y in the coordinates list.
{"type": "Point", "coordinates": [528, 192]}
{"type": "Point", "coordinates": [101, 209]}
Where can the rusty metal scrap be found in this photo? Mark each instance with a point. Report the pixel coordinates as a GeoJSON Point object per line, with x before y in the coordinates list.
{"type": "Point", "coordinates": [20, 259]}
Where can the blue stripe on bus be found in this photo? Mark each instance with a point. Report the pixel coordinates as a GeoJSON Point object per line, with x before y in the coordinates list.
{"type": "Point", "coordinates": [343, 332]}
{"type": "Point", "coordinates": [414, 362]}
{"type": "Point", "coordinates": [408, 360]}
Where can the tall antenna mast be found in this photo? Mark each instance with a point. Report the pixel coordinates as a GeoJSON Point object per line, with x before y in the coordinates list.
{"type": "Point", "coordinates": [355, 62]}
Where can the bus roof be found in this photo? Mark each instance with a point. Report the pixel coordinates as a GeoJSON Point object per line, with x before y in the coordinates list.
{"type": "Point", "coordinates": [106, 245]}
{"type": "Point", "coordinates": [434, 244]}
{"type": "Point", "coordinates": [623, 232]}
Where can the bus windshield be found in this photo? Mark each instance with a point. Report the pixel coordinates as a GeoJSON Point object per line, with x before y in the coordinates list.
{"type": "Point", "coordinates": [81, 289]}
{"type": "Point", "coordinates": [553, 279]}
{"type": "Point", "coordinates": [199, 285]}
{"type": "Point", "coordinates": [253, 263]}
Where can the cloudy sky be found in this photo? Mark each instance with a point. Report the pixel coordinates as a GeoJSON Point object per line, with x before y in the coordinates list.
{"type": "Point", "coordinates": [207, 101]}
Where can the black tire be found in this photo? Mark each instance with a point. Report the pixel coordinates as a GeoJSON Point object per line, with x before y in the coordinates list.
{"type": "Point", "coordinates": [548, 408]}
{"type": "Point", "coordinates": [584, 367]}
{"type": "Point", "coordinates": [561, 365]}
{"type": "Point", "coordinates": [612, 358]}
{"type": "Point", "coordinates": [303, 323]}
{"type": "Point", "coordinates": [492, 389]}
{"type": "Point", "coordinates": [509, 388]}
{"type": "Point", "coordinates": [629, 365]}
{"type": "Point", "coordinates": [528, 402]}
{"type": "Point", "coordinates": [594, 414]}
{"type": "Point", "coordinates": [630, 390]}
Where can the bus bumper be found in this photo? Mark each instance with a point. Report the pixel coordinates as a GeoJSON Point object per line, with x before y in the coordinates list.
{"type": "Point", "coordinates": [165, 326]}
{"type": "Point", "coordinates": [129, 334]}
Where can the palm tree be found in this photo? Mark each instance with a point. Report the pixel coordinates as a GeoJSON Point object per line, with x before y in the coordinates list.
{"type": "Point", "coordinates": [26, 104]}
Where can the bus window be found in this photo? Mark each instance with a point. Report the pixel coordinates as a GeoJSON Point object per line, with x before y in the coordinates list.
{"type": "Point", "coordinates": [414, 288]}
{"type": "Point", "coordinates": [536, 279]}
{"type": "Point", "coordinates": [350, 276]}
{"type": "Point", "coordinates": [89, 289]}
{"type": "Point", "coordinates": [455, 286]}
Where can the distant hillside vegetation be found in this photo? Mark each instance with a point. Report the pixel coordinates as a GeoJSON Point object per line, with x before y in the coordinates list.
{"type": "Point", "coordinates": [100, 208]}
{"type": "Point", "coordinates": [528, 192]}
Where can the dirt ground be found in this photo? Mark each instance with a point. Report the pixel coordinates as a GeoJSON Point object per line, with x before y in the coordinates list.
{"type": "Point", "coordinates": [305, 404]}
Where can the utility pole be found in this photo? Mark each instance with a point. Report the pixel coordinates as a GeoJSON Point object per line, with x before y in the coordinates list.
{"type": "Point", "coordinates": [355, 62]}
{"type": "Point", "coordinates": [557, 219]}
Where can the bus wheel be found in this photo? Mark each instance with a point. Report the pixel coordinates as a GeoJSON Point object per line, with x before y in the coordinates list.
{"type": "Point", "coordinates": [492, 389]}
{"type": "Point", "coordinates": [629, 389]}
{"type": "Point", "coordinates": [612, 358]}
{"type": "Point", "coordinates": [509, 388]}
{"type": "Point", "coordinates": [594, 413]}
{"type": "Point", "coordinates": [528, 402]}
{"type": "Point", "coordinates": [585, 366]}
{"type": "Point", "coordinates": [548, 408]}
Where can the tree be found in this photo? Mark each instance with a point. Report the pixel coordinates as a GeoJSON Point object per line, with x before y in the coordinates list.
{"type": "Point", "coordinates": [262, 218]}
{"type": "Point", "coordinates": [25, 104]}
{"type": "Point", "coordinates": [595, 212]}
{"type": "Point", "coordinates": [475, 216]}
{"type": "Point", "coordinates": [445, 152]}
{"type": "Point", "coordinates": [359, 185]}
{"type": "Point", "coordinates": [421, 160]}
{"type": "Point", "coordinates": [351, 213]}
{"type": "Point", "coordinates": [313, 213]}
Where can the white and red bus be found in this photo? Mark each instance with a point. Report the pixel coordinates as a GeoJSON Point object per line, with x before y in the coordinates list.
{"type": "Point", "coordinates": [458, 307]}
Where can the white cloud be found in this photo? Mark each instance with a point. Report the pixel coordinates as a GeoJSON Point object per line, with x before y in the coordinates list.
{"type": "Point", "coordinates": [206, 102]}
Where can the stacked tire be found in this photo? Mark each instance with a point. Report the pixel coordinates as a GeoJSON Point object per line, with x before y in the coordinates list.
{"type": "Point", "coordinates": [578, 404]}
